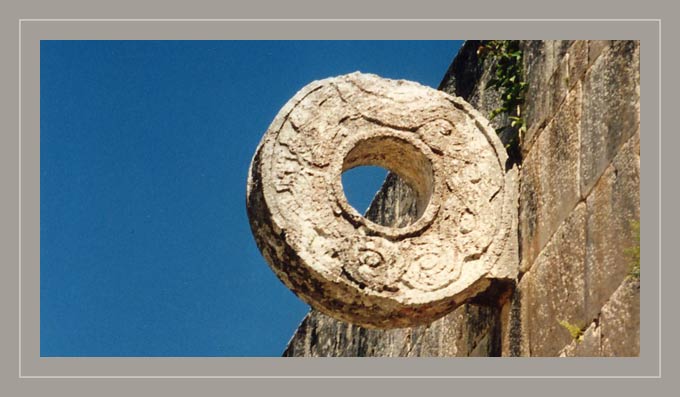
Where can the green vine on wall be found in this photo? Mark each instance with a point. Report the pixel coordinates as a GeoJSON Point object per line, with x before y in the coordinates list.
{"type": "Point", "coordinates": [509, 81]}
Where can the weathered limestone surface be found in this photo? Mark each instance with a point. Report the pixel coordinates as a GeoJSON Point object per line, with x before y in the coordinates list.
{"type": "Point", "coordinates": [617, 332]}
{"type": "Point", "coordinates": [518, 320]}
{"type": "Point", "coordinates": [469, 330]}
{"type": "Point", "coordinates": [613, 203]}
{"type": "Point", "coordinates": [611, 112]}
{"type": "Point", "coordinates": [394, 205]}
{"type": "Point", "coordinates": [620, 321]}
{"type": "Point", "coordinates": [550, 179]}
{"type": "Point", "coordinates": [364, 272]}
{"type": "Point", "coordinates": [580, 174]}
{"type": "Point", "coordinates": [541, 59]}
{"type": "Point", "coordinates": [590, 344]}
{"type": "Point", "coordinates": [558, 287]}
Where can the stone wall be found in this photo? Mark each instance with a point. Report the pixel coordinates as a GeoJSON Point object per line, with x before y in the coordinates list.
{"type": "Point", "coordinates": [579, 191]}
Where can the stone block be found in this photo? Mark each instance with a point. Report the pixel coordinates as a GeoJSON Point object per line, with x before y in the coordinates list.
{"type": "Point", "coordinates": [557, 287]}
{"type": "Point", "coordinates": [322, 336]}
{"type": "Point", "coordinates": [550, 179]}
{"type": "Point", "coordinates": [588, 346]}
{"type": "Point", "coordinates": [620, 321]}
{"type": "Point", "coordinates": [560, 48]}
{"type": "Point", "coordinates": [468, 77]}
{"type": "Point", "coordinates": [383, 343]}
{"type": "Point", "coordinates": [483, 348]}
{"type": "Point", "coordinates": [515, 321]}
{"type": "Point", "coordinates": [482, 330]}
{"type": "Point", "coordinates": [464, 72]}
{"type": "Point", "coordinates": [559, 84]}
{"type": "Point", "coordinates": [595, 48]}
{"type": "Point", "coordinates": [470, 329]}
{"type": "Point", "coordinates": [529, 207]}
{"type": "Point", "coordinates": [578, 60]}
{"type": "Point", "coordinates": [536, 104]}
{"type": "Point", "coordinates": [541, 59]}
{"type": "Point", "coordinates": [442, 338]}
{"type": "Point", "coordinates": [611, 108]}
{"type": "Point", "coordinates": [532, 50]}
{"type": "Point", "coordinates": [486, 100]}
{"type": "Point", "coordinates": [506, 326]}
{"type": "Point", "coordinates": [612, 204]}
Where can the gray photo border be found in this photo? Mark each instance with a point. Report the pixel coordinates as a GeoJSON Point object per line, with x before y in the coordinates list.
{"type": "Point", "coordinates": [32, 31]}
{"type": "Point", "coordinates": [647, 30]}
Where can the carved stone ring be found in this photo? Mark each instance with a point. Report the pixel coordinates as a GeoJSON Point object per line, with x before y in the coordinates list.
{"type": "Point", "coordinates": [357, 270]}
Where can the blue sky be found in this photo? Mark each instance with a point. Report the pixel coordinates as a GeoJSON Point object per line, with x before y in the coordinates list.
{"type": "Point", "coordinates": [145, 245]}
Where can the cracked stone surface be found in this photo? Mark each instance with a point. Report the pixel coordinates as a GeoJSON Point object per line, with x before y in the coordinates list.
{"type": "Point", "coordinates": [356, 270]}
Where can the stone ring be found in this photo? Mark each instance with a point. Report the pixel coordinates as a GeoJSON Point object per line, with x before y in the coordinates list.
{"type": "Point", "coordinates": [358, 270]}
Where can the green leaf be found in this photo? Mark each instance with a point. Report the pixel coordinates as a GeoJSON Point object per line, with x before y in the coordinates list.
{"type": "Point", "coordinates": [508, 81]}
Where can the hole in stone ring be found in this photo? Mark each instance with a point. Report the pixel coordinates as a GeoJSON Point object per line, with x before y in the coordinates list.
{"type": "Point", "coordinates": [361, 184]}
{"type": "Point", "coordinates": [407, 163]}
